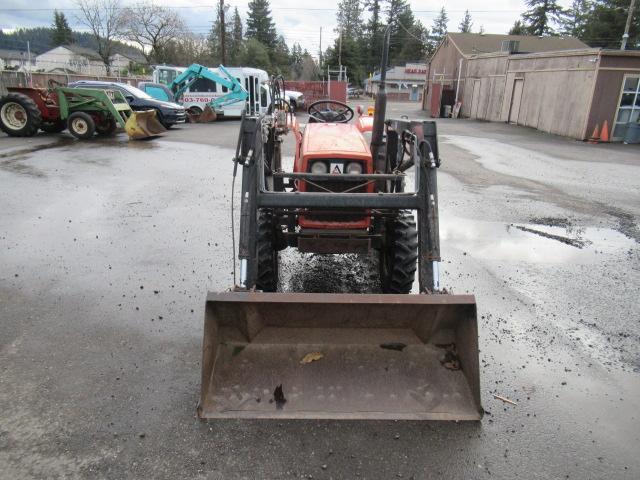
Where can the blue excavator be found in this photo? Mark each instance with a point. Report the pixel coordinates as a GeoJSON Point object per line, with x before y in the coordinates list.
{"type": "Point", "coordinates": [175, 90]}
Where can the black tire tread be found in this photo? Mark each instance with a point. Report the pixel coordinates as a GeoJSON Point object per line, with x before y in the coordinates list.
{"type": "Point", "coordinates": [34, 116]}
{"type": "Point", "coordinates": [267, 278]}
{"type": "Point", "coordinates": [92, 125]}
{"type": "Point", "coordinates": [402, 252]}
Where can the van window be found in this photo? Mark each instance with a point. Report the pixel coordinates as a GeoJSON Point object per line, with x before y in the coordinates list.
{"type": "Point", "coordinates": [204, 85]}
{"type": "Point", "coordinates": [263, 96]}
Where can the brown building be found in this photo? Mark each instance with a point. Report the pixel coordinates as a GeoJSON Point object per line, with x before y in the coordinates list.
{"type": "Point", "coordinates": [403, 83]}
{"type": "Point", "coordinates": [447, 66]}
{"type": "Point", "coordinates": [565, 92]}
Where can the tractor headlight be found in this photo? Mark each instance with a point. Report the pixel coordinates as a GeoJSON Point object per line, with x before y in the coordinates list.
{"type": "Point", "coordinates": [319, 167]}
{"type": "Point", "coordinates": [354, 168]}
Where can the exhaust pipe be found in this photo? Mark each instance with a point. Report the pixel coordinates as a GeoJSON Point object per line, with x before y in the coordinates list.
{"type": "Point", "coordinates": [377, 134]}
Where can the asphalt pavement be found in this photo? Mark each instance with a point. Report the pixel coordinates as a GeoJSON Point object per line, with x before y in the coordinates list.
{"type": "Point", "coordinates": [108, 247]}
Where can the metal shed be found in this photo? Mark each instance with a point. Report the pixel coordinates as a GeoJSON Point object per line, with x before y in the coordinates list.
{"type": "Point", "coordinates": [564, 92]}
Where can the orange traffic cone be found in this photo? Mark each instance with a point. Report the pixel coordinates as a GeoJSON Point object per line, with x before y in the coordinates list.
{"type": "Point", "coordinates": [604, 134]}
{"type": "Point", "coordinates": [595, 136]}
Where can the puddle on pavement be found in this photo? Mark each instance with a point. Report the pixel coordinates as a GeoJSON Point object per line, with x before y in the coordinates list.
{"type": "Point", "coordinates": [524, 242]}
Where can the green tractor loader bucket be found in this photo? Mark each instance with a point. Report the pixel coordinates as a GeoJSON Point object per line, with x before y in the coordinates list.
{"type": "Point", "coordinates": [340, 356]}
{"type": "Point", "coordinates": [143, 124]}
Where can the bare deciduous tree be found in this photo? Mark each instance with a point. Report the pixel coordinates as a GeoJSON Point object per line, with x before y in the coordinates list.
{"type": "Point", "coordinates": [152, 27]}
{"type": "Point", "coordinates": [105, 20]}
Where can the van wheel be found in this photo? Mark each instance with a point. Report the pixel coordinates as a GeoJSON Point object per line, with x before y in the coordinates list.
{"type": "Point", "coordinates": [19, 115]}
{"type": "Point", "coordinates": [399, 255]}
{"type": "Point", "coordinates": [81, 125]}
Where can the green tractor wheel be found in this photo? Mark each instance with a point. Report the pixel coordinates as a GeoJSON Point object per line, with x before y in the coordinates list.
{"type": "Point", "coordinates": [81, 125]}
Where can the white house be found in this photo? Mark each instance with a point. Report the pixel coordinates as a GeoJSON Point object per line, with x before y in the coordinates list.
{"type": "Point", "coordinates": [16, 60]}
{"type": "Point", "coordinates": [76, 59]}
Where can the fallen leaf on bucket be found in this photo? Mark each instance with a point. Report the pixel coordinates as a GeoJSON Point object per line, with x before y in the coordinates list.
{"type": "Point", "coordinates": [311, 357]}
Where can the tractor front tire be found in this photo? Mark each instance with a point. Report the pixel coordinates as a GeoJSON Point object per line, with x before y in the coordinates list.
{"type": "Point", "coordinates": [19, 115]}
{"type": "Point", "coordinates": [267, 250]}
{"type": "Point", "coordinates": [399, 255]}
{"type": "Point", "coordinates": [53, 127]}
{"type": "Point", "coordinates": [81, 125]}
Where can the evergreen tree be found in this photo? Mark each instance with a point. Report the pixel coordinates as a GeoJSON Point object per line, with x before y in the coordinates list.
{"type": "Point", "coordinates": [372, 37]}
{"type": "Point", "coordinates": [518, 29]}
{"type": "Point", "coordinates": [439, 29]}
{"type": "Point", "coordinates": [466, 23]}
{"type": "Point", "coordinates": [62, 33]}
{"type": "Point", "coordinates": [541, 15]}
{"type": "Point", "coordinates": [255, 54]}
{"type": "Point", "coordinates": [213, 41]}
{"type": "Point", "coordinates": [395, 9]}
{"type": "Point", "coordinates": [575, 18]}
{"type": "Point", "coordinates": [260, 25]}
{"type": "Point", "coordinates": [297, 61]}
{"type": "Point", "coordinates": [349, 18]}
{"type": "Point", "coordinates": [280, 61]}
{"type": "Point", "coordinates": [605, 22]}
{"type": "Point", "coordinates": [235, 38]}
{"type": "Point", "coordinates": [412, 39]}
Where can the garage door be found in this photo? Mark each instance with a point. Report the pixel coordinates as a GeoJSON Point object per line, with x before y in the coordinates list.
{"type": "Point", "coordinates": [516, 99]}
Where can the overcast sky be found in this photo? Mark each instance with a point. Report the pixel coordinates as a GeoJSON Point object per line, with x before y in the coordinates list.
{"type": "Point", "coordinates": [298, 20]}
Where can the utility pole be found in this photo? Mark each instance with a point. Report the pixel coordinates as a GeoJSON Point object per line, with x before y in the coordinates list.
{"type": "Point", "coordinates": [625, 37]}
{"type": "Point", "coordinates": [320, 53]}
{"type": "Point", "coordinates": [29, 64]}
{"type": "Point", "coordinates": [222, 26]}
{"type": "Point", "coordinates": [340, 54]}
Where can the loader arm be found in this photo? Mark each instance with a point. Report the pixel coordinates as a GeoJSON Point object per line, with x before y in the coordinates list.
{"type": "Point", "coordinates": [182, 82]}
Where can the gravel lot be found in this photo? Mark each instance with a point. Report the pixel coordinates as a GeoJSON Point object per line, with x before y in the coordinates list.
{"type": "Point", "coordinates": [107, 250]}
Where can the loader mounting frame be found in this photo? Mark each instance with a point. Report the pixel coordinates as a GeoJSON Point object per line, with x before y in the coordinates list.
{"type": "Point", "coordinates": [255, 195]}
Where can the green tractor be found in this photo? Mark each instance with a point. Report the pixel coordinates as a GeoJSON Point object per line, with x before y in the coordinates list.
{"type": "Point", "coordinates": [84, 112]}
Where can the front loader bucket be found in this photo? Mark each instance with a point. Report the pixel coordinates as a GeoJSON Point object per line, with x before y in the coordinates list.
{"type": "Point", "coordinates": [143, 124]}
{"type": "Point", "coordinates": [340, 356]}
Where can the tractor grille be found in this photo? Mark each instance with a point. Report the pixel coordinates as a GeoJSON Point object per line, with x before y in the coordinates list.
{"type": "Point", "coordinates": [336, 187]}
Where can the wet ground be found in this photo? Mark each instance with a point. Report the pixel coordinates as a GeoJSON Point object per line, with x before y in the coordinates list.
{"type": "Point", "coordinates": [107, 250]}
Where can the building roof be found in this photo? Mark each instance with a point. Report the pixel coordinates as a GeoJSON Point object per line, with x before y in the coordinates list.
{"type": "Point", "coordinates": [84, 51]}
{"type": "Point", "coordinates": [133, 56]}
{"type": "Point", "coordinates": [6, 54]}
{"type": "Point", "coordinates": [477, 43]}
{"type": "Point", "coordinates": [78, 50]}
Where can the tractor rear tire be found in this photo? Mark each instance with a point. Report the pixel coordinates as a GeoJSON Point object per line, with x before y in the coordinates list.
{"type": "Point", "coordinates": [267, 278]}
{"type": "Point", "coordinates": [19, 115]}
{"type": "Point", "coordinates": [399, 256]}
{"type": "Point", "coordinates": [53, 127]}
{"type": "Point", "coordinates": [81, 125]}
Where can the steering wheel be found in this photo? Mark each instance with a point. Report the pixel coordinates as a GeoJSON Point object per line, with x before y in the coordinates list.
{"type": "Point", "coordinates": [333, 112]}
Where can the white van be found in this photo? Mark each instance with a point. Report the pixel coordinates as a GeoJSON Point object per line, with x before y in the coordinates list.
{"type": "Point", "coordinates": [202, 91]}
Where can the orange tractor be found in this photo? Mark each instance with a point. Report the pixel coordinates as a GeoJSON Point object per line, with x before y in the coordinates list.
{"type": "Point", "coordinates": [394, 355]}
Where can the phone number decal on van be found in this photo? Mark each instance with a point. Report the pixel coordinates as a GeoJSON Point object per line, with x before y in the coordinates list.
{"type": "Point", "coordinates": [198, 99]}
